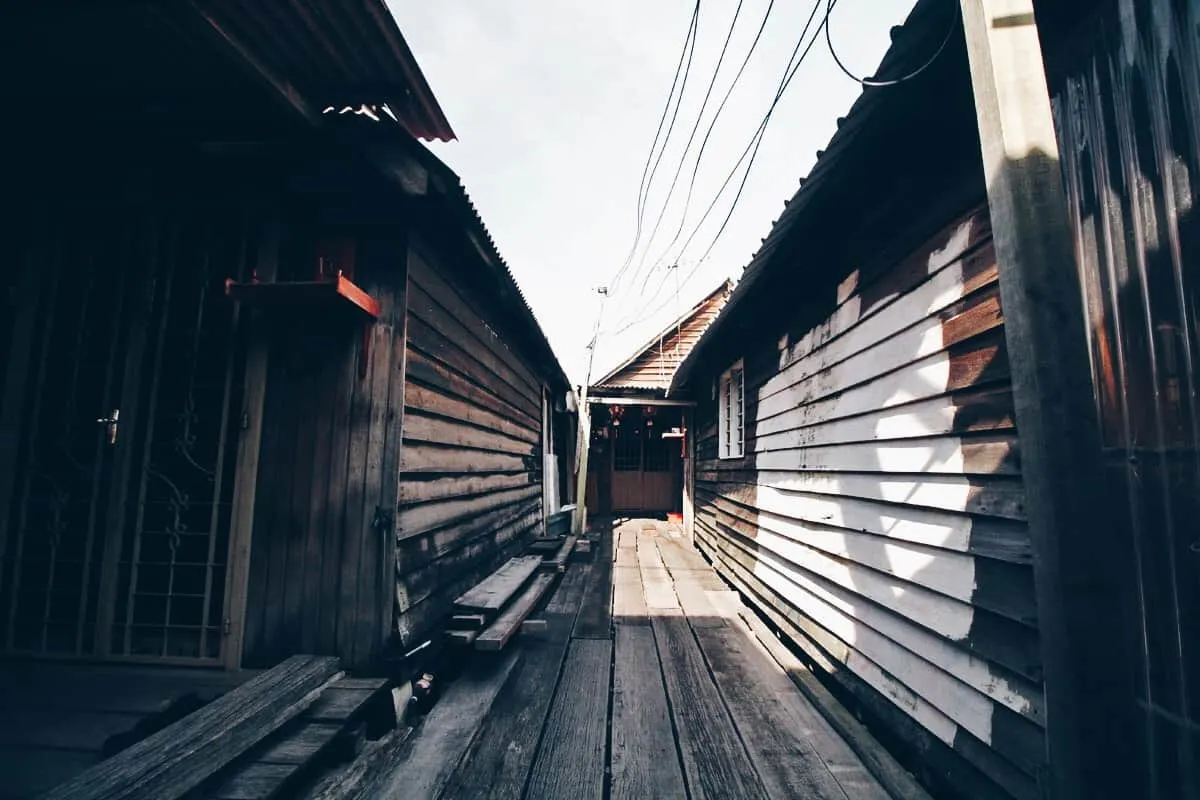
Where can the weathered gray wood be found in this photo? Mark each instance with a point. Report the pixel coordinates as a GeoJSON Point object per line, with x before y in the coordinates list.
{"type": "Point", "coordinates": [498, 761]}
{"type": "Point", "coordinates": [595, 613]}
{"type": "Point", "coordinates": [180, 757]}
{"type": "Point", "coordinates": [629, 601]}
{"type": "Point", "coordinates": [362, 779]}
{"type": "Point", "coordinates": [297, 746]}
{"type": "Point", "coordinates": [467, 622]}
{"type": "Point", "coordinates": [897, 782]}
{"type": "Point", "coordinates": [255, 782]}
{"type": "Point", "coordinates": [420, 769]}
{"type": "Point", "coordinates": [558, 562]}
{"type": "Point", "coordinates": [462, 638]}
{"type": "Point", "coordinates": [778, 729]}
{"type": "Point", "coordinates": [509, 622]}
{"type": "Point", "coordinates": [715, 761]}
{"type": "Point", "coordinates": [347, 699]}
{"type": "Point", "coordinates": [645, 761]}
{"type": "Point", "coordinates": [1077, 574]}
{"type": "Point", "coordinates": [498, 588]}
{"type": "Point", "coordinates": [571, 760]}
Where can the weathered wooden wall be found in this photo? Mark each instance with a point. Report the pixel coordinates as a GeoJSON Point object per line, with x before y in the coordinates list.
{"type": "Point", "coordinates": [877, 516]}
{"type": "Point", "coordinates": [471, 466]}
{"type": "Point", "coordinates": [1125, 78]}
{"type": "Point", "coordinates": [320, 578]}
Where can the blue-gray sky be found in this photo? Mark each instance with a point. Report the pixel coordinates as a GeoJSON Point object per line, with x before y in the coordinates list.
{"type": "Point", "coordinates": [556, 102]}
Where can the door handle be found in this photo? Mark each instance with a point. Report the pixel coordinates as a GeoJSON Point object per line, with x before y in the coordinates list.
{"type": "Point", "coordinates": [111, 421]}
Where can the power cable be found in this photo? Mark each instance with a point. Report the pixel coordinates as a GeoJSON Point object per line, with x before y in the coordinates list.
{"type": "Point", "coordinates": [691, 138]}
{"type": "Point", "coordinates": [689, 47]}
{"type": "Point", "coordinates": [870, 83]}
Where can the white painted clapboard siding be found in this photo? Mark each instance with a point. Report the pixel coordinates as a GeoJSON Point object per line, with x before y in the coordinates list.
{"type": "Point", "coordinates": [880, 445]}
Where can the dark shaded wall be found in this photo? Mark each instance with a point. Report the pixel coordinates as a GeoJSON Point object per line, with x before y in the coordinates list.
{"type": "Point", "coordinates": [1125, 80]}
{"type": "Point", "coordinates": [470, 492]}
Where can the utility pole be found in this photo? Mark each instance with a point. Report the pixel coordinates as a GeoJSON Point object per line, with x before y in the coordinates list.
{"type": "Point", "coordinates": [579, 519]}
{"type": "Point", "coordinates": [1077, 575]}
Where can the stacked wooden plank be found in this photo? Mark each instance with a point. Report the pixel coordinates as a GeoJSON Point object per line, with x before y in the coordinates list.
{"type": "Point", "coordinates": [258, 742]}
{"type": "Point", "coordinates": [488, 615]}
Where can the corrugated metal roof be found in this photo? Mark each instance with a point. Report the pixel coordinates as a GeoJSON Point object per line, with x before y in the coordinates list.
{"type": "Point", "coordinates": [337, 53]}
{"type": "Point", "coordinates": [710, 305]}
{"type": "Point", "coordinates": [912, 45]}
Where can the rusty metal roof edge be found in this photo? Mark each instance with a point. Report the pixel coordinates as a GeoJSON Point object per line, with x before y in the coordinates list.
{"type": "Point", "coordinates": [916, 30]}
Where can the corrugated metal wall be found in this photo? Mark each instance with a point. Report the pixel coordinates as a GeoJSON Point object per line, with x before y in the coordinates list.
{"type": "Point", "coordinates": [877, 517]}
{"type": "Point", "coordinates": [1127, 103]}
{"type": "Point", "coordinates": [471, 466]}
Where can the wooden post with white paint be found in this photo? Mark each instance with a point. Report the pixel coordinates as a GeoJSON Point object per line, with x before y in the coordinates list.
{"type": "Point", "coordinates": [1087, 680]}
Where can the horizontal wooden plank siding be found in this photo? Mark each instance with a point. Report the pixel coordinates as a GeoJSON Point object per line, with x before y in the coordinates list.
{"type": "Point", "coordinates": [470, 490]}
{"type": "Point", "coordinates": [877, 515]}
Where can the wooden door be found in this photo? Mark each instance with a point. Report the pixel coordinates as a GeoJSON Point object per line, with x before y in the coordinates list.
{"type": "Point", "coordinates": [643, 468]}
{"type": "Point", "coordinates": [115, 507]}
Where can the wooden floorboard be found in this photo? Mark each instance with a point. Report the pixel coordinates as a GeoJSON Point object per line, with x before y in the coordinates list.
{"type": "Point", "coordinates": [571, 760]}
{"type": "Point", "coordinates": [716, 763]}
{"type": "Point", "coordinates": [425, 762]}
{"type": "Point", "coordinates": [645, 760]}
{"type": "Point", "coordinates": [497, 764]}
{"type": "Point", "coordinates": [595, 613]}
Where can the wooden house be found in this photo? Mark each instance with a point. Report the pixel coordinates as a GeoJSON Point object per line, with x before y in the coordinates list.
{"type": "Point", "coordinates": [266, 385]}
{"type": "Point", "coordinates": [638, 457]}
{"type": "Point", "coordinates": [946, 425]}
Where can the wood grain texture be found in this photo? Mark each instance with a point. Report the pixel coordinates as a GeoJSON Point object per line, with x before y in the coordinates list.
{"type": "Point", "coordinates": [645, 762]}
{"type": "Point", "coordinates": [715, 761]}
{"type": "Point", "coordinates": [420, 769]}
{"type": "Point", "coordinates": [364, 778]}
{"type": "Point", "coordinates": [499, 588]}
{"type": "Point", "coordinates": [255, 782]}
{"type": "Point", "coordinates": [509, 621]}
{"type": "Point", "coordinates": [498, 762]}
{"type": "Point", "coordinates": [595, 613]}
{"type": "Point", "coordinates": [180, 757]}
{"type": "Point", "coordinates": [571, 760]}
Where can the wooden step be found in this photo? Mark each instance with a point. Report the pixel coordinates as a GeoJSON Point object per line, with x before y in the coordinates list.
{"type": "Point", "coordinates": [179, 758]}
{"type": "Point", "coordinates": [558, 562]}
{"type": "Point", "coordinates": [496, 636]}
{"type": "Point", "coordinates": [328, 733]}
{"type": "Point", "coordinates": [499, 588]}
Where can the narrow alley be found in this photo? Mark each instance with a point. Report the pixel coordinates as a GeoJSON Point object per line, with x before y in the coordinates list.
{"type": "Point", "coordinates": [649, 677]}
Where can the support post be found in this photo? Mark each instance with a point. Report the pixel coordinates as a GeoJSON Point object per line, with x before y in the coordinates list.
{"type": "Point", "coordinates": [579, 518]}
{"type": "Point", "coordinates": [1088, 684]}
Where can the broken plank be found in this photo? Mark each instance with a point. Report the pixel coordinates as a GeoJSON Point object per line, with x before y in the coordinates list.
{"type": "Point", "coordinates": [495, 591]}
{"type": "Point", "coordinates": [495, 637]}
{"type": "Point", "coordinates": [571, 760]}
{"type": "Point", "coordinates": [645, 762]}
{"type": "Point", "coordinates": [715, 761]}
{"type": "Point", "coordinates": [177, 759]}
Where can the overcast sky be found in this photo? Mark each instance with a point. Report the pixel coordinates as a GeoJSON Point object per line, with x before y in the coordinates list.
{"type": "Point", "coordinates": [556, 103]}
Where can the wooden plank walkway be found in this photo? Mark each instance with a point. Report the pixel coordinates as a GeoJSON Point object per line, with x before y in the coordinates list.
{"type": "Point", "coordinates": [647, 683]}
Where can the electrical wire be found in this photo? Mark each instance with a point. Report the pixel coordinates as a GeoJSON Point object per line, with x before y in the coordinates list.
{"type": "Point", "coordinates": [711, 125]}
{"type": "Point", "coordinates": [751, 149]}
{"type": "Point", "coordinates": [874, 84]}
{"type": "Point", "coordinates": [691, 139]}
{"type": "Point", "coordinates": [689, 47]}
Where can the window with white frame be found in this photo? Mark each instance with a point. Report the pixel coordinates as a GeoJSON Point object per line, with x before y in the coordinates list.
{"type": "Point", "coordinates": [732, 402]}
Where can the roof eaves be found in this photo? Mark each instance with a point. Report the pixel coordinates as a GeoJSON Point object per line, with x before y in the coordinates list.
{"type": "Point", "coordinates": [910, 47]}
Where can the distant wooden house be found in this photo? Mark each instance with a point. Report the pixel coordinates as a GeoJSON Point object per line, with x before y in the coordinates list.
{"type": "Point", "coordinates": [865, 469]}
{"type": "Point", "coordinates": [638, 459]}
{"type": "Point", "coordinates": [266, 385]}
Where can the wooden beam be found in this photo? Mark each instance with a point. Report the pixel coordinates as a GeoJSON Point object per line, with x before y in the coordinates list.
{"type": "Point", "coordinates": [640, 401]}
{"type": "Point", "coordinates": [1088, 681]}
{"type": "Point", "coordinates": [498, 588]}
{"type": "Point", "coordinates": [507, 624]}
{"type": "Point", "coordinates": [177, 759]}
